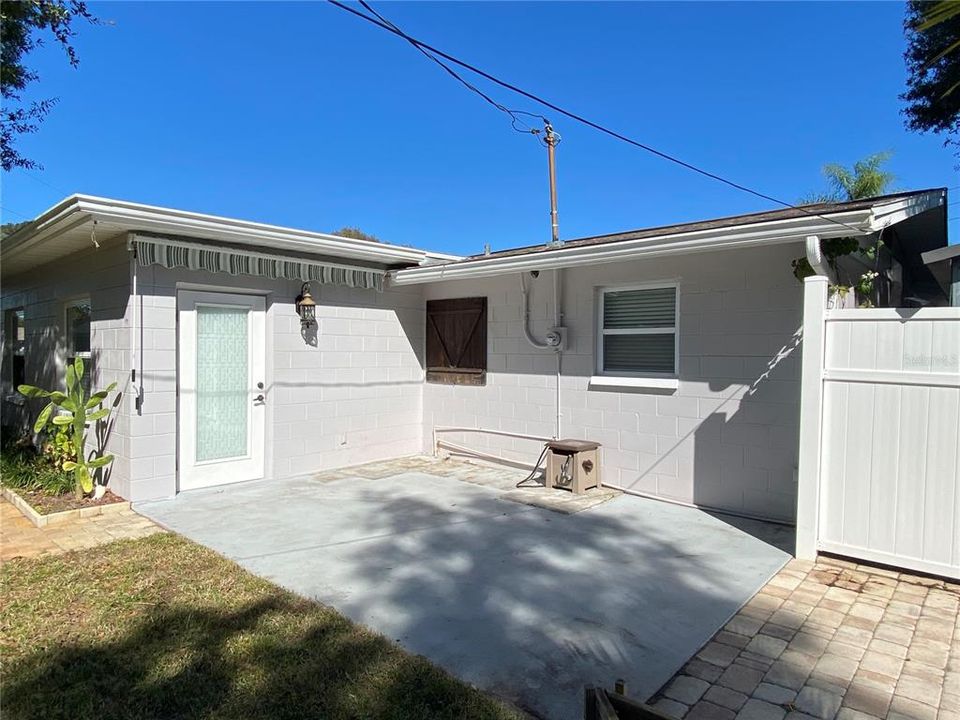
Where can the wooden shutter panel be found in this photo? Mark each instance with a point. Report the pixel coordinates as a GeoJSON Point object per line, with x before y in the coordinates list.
{"type": "Point", "coordinates": [457, 341]}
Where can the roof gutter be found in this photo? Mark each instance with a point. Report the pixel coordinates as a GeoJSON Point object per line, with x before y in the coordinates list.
{"type": "Point", "coordinates": [145, 217]}
{"type": "Point", "coordinates": [78, 209]}
{"type": "Point", "coordinates": [49, 221]}
{"type": "Point", "coordinates": [778, 232]}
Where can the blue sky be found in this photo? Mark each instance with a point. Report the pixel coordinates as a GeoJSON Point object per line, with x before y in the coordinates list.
{"type": "Point", "coordinates": [300, 114]}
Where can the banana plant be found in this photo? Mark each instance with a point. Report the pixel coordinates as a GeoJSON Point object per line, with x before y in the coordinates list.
{"type": "Point", "coordinates": [78, 411]}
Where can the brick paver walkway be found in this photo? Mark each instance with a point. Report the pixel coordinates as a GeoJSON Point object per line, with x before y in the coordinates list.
{"type": "Point", "coordinates": [829, 640]}
{"type": "Point", "coordinates": [21, 538]}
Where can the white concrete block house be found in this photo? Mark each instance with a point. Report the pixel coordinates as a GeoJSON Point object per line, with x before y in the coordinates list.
{"type": "Point", "coordinates": [679, 346]}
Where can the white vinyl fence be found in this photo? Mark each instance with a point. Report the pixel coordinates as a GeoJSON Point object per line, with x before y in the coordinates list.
{"type": "Point", "coordinates": [880, 435]}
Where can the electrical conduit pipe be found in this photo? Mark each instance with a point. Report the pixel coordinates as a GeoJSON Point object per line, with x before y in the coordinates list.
{"type": "Point", "coordinates": [558, 322]}
{"type": "Point", "coordinates": [526, 317]}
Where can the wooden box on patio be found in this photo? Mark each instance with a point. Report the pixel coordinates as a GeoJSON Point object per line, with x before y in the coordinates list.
{"type": "Point", "coordinates": [573, 465]}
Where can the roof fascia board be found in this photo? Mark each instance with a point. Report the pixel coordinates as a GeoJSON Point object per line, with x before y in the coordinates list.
{"type": "Point", "coordinates": [145, 217]}
{"type": "Point", "coordinates": [49, 222]}
{"type": "Point", "coordinates": [891, 213]}
{"type": "Point", "coordinates": [778, 232]}
{"type": "Point", "coordinates": [79, 209]}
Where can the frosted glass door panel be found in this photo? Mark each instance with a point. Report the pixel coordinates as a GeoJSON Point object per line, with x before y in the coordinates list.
{"type": "Point", "coordinates": [222, 382]}
{"type": "Point", "coordinates": [223, 388]}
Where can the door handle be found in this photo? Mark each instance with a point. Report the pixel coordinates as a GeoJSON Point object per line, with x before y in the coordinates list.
{"type": "Point", "coordinates": [258, 398]}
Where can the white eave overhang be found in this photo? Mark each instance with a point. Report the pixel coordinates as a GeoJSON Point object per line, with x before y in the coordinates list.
{"type": "Point", "coordinates": [71, 223]}
{"type": "Point", "coordinates": [789, 230]}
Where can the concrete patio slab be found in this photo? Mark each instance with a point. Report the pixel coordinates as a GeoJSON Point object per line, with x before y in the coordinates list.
{"type": "Point", "coordinates": [522, 602]}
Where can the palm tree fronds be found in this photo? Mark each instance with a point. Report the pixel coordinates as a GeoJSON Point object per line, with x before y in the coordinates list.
{"type": "Point", "coordinates": [937, 13]}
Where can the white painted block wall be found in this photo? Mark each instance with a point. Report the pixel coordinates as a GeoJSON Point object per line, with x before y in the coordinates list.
{"type": "Point", "coordinates": [103, 275]}
{"type": "Point", "coordinates": [354, 396]}
{"type": "Point", "coordinates": [727, 438]}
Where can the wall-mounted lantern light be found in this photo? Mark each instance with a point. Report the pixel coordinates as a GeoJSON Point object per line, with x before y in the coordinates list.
{"type": "Point", "coordinates": [306, 307]}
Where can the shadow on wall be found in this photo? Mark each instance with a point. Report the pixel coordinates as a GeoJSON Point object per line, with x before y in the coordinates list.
{"type": "Point", "coordinates": [308, 331]}
{"type": "Point", "coordinates": [737, 441]}
{"type": "Point", "coordinates": [102, 433]}
{"type": "Point", "coordinates": [742, 448]}
{"type": "Point", "coordinates": [750, 452]}
{"type": "Point", "coordinates": [45, 367]}
{"type": "Point", "coordinates": [725, 438]}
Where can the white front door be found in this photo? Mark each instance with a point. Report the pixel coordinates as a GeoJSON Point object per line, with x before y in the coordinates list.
{"type": "Point", "coordinates": [221, 388]}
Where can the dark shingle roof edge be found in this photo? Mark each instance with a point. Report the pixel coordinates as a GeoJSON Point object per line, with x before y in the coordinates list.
{"type": "Point", "coordinates": [815, 210]}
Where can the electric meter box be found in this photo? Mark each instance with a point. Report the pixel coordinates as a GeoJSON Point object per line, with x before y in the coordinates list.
{"type": "Point", "coordinates": [573, 465]}
{"type": "Point", "coordinates": [557, 338]}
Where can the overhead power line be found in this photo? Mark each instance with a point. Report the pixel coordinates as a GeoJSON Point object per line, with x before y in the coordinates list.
{"type": "Point", "coordinates": [422, 46]}
{"type": "Point", "coordinates": [453, 73]}
{"type": "Point", "coordinates": [15, 212]}
{"type": "Point", "coordinates": [37, 178]}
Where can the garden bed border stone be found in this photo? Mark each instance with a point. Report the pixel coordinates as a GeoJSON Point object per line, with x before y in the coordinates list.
{"type": "Point", "coordinates": [56, 518]}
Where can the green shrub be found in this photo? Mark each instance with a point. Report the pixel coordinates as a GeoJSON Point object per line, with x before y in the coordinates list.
{"type": "Point", "coordinates": [78, 410]}
{"type": "Point", "coordinates": [22, 467]}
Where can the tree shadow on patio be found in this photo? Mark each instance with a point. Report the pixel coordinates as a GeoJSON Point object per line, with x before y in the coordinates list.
{"type": "Point", "coordinates": [522, 602]}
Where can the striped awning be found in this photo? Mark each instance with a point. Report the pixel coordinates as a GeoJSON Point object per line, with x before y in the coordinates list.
{"type": "Point", "coordinates": [236, 261]}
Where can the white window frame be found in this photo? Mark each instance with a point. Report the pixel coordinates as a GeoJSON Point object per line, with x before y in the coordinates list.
{"type": "Point", "coordinates": [601, 332]}
{"type": "Point", "coordinates": [68, 336]}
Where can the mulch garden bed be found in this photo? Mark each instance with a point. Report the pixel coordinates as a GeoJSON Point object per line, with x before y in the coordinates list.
{"type": "Point", "coordinates": [46, 504]}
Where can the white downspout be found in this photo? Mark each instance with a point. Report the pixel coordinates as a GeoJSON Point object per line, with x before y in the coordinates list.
{"type": "Point", "coordinates": [815, 256]}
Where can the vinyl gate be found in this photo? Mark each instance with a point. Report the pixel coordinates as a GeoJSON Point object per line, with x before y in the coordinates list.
{"type": "Point", "coordinates": [885, 404]}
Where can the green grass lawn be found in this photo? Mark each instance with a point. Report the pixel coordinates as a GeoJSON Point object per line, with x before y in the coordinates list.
{"type": "Point", "coordinates": [164, 628]}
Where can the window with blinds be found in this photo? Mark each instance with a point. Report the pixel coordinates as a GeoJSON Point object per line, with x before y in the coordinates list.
{"type": "Point", "coordinates": [638, 331]}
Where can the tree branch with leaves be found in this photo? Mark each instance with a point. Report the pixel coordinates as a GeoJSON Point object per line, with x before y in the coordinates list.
{"type": "Point", "coordinates": [933, 66]}
{"type": "Point", "coordinates": [22, 27]}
